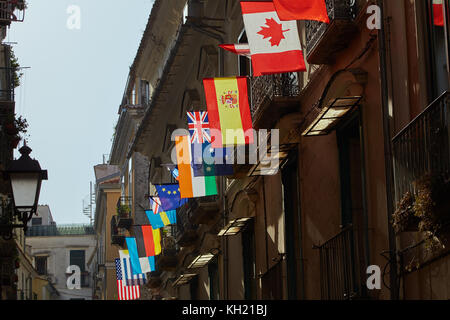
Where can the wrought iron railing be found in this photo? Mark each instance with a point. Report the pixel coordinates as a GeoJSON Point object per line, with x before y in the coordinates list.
{"type": "Point", "coordinates": [60, 230]}
{"type": "Point", "coordinates": [268, 87]}
{"type": "Point", "coordinates": [12, 10]}
{"type": "Point", "coordinates": [184, 219]}
{"type": "Point", "coordinates": [422, 147]}
{"type": "Point", "coordinates": [124, 207]}
{"type": "Point", "coordinates": [337, 10]}
{"type": "Point", "coordinates": [339, 267]}
{"type": "Point", "coordinates": [6, 84]}
{"type": "Point", "coordinates": [117, 233]}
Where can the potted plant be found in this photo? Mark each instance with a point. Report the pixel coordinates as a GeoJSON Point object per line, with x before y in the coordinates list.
{"type": "Point", "coordinates": [404, 218]}
{"type": "Point", "coordinates": [432, 207]}
{"type": "Point", "coordinates": [14, 128]}
{"type": "Point", "coordinates": [123, 210]}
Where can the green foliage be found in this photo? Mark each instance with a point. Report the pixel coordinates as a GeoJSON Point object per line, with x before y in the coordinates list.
{"type": "Point", "coordinates": [404, 218]}
{"type": "Point", "coordinates": [123, 210]}
{"type": "Point", "coordinates": [15, 66]}
{"type": "Point", "coordinates": [426, 211]}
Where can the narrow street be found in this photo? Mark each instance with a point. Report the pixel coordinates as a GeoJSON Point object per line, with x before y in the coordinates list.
{"type": "Point", "coordinates": [225, 150]}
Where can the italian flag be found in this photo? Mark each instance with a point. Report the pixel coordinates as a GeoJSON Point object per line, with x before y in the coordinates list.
{"type": "Point", "coordinates": [438, 13]}
{"type": "Point", "coordinates": [274, 44]}
{"type": "Point", "coordinates": [190, 185]}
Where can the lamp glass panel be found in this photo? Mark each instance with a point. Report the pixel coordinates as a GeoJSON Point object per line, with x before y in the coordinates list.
{"type": "Point", "coordinates": [24, 188]}
{"type": "Point", "coordinates": [336, 112]}
{"type": "Point", "coordinates": [315, 133]}
{"type": "Point", "coordinates": [346, 102]}
{"type": "Point", "coordinates": [323, 124]}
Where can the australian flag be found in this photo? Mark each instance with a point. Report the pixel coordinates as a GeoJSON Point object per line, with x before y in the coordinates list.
{"type": "Point", "coordinates": [208, 161]}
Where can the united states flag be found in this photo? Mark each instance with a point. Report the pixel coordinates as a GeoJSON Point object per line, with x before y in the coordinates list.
{"type": "Point", "coordinates": [198, 125]}
{"type": "Point", "coordinates": [155, 204]}
{"type": "Point", "coordinates": [125, 292]}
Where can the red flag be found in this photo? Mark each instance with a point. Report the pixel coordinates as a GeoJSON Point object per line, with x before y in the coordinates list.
{"type": "Point", "coordinates": [274, 45]}
{"type": "Point", "coordinates": [438, 13]}
{"type": "Point", "coordinates": [242, 49]}
{"type": "Point", "coordinates": [302, 10]}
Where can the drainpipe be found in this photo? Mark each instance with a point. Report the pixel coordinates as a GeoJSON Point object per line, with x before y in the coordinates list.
{"type": "Point", "coordinates": [388, 155]}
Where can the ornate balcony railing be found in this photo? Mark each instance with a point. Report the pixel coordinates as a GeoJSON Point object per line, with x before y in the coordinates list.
{"type": "Point", "coordinates": [6, 85]}
{"type": "Point", "coordinates": [339, 267]}
{"type": "Point", "coordinates": [12, 10]}
{"type": "Point", "coordinates": [124, 212]}
{"type": "Point", "coordinates": [422, 147]}
{"type": "Point", "coordinates": [117, 235]}
{"type": "Point", "coordinates": [186, 229]}
{"type": "Point", "coordinates": [60, 230]}
{"type": "Point", "coordinates": [204, 210]}
{"type": "Point", "coordinates": [268, 87]}
{"type": "Point", "coordinates": [324, 40]}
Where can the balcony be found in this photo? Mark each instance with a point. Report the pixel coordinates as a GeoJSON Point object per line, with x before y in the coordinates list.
{"type": "Point", "coordinates": [7, 86]}
{"type": "Point", "coordinates": [124, 216]}
{"type": "Point", "coordinates": [167, 260]}
{"type": "Point", "coordinates": [12, 11]}
{"type": "Point", "coordinates": [6, 271]}
{"type": "Point", "coordinates": [204, 210]}
{"type": "Point", "coordinates": [272, 96]}
{"type": "Point", "coordinates": [422, 147]}
{"type": "Point", "coordinates": [339, 267]}
{"type": "Point", "coordinates": [154, 280]}
{"type": "Point", "coordinates": [186, 231]}
{"type": "Point", "coordinates": [117, 235]}
{"type": "Point", "coordinates": [324, 41]}
{"type": "Point", "coordinates": [60, 230]}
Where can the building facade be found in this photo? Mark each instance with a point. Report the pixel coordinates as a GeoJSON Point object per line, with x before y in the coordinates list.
{"type": "Point", "coordinates": [107, 196]}
{"type": "Point", "coordinates": [11, 242]}
{"type": "Point", "coordinates": [54, 249]}
{"type": "Point", "coordinates": [363, 126]}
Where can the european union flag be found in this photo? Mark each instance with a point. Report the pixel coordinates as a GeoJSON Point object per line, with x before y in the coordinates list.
{"type": "Point", "coordinates": [169, 194]}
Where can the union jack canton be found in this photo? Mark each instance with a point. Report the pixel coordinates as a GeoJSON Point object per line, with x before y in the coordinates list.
{"type": "Point", "coordinates": [198, 125]}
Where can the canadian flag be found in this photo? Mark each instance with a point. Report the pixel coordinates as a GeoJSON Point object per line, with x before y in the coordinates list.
{"type": "Point", "coordinates": [274, 44]}
{"type": "Point", "coordinates": [302, 10]}
{"type": "Point", "coordinates": [438, 13]}
{"type": "Point", "coordinates": [242, 49]}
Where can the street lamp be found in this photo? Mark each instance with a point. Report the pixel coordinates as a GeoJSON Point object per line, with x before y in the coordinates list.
{"type": "Point", "coordinates": [26, 176]}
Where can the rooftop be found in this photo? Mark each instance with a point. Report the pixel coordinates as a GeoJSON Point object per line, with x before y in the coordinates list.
{"type": "Point", "coordinates": [60, 230]}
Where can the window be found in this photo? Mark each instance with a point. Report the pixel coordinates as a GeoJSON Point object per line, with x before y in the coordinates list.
{"type": "Point", "coordinates": [130, 177]}
{"type": "Point", "coordinates": [437, 49]}
{"type": "Point", "coordinates": [249, 259]}
{"type": "Point", "coordinates": [145, 92]}
{"type": "Point", "coordinates": [41, 265]}
{"type": "Point", "coordinates": [213, 272]}
{"type": "Point", "coordinates": [77, 257]}
{"type": "Point", "coordinates": [36, 221]}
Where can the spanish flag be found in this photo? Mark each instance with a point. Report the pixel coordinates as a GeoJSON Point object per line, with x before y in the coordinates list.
{"type": "Point", "coordinates": [190, 185]}
{"type": "Point", "coordinates": [228, 111]}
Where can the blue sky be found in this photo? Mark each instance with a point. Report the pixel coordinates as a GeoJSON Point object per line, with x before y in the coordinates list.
{"type": "Point", "coordinates": [71, 93]}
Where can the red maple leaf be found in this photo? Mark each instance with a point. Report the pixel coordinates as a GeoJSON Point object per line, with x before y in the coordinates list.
{"type": "Point", "coordinates": [274, 31]}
